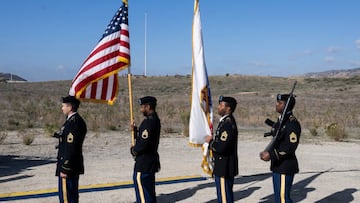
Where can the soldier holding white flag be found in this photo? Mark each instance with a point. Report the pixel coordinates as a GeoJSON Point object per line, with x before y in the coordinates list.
{"type": "Point", "coordinates": [224, 148]}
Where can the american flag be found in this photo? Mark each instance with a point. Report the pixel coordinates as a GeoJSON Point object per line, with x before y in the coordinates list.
{"type": "Point", "coordinates": [97, 79]}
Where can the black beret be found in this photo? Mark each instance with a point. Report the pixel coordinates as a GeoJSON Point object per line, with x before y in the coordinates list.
{"type": "Point", "coordinates": [230, 100]}
{"type": "Point", "coordinates": [285, 97]}
{"type": "Point", "coordinates": [147, 100]}
{"type": "Point", "coordinates": [282, 97]}
{"type": "Point", "coordinates": [71, 100]}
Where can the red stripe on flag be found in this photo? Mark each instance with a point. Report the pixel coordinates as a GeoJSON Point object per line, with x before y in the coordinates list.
{"type": "Point", "coordinates": [103, 46]}
{"type": "Point", "coordinates": [93, 90]}
{"type": "Point", "coordinates": [100, 60]}
{"type": "Point", "coordinates": [96, 75]}
{"type": "Point", "coordinates": [115, 85]}
{"type": "Point", "coordinates": [82, 94]}
{"type": "Point", "coordinates": [104, 88]}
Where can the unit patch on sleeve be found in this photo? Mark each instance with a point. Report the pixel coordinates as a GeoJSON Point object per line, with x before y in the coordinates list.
{"type": "Point", "coordinates": [145, 134]}
{"type": "Point", "coordinates": [293, 137]}
{"type": "Point", "coordinates": [223, 136]}
{"type": "Point", "coordinates": [70, 138]}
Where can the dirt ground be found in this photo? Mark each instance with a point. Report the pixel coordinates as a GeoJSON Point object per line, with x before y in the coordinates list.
{"type": "Point", "coordinates": [329, 171]}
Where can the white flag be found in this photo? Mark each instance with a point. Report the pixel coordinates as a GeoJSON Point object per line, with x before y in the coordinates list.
{"type": "Point", "coordinates": [201, 115]}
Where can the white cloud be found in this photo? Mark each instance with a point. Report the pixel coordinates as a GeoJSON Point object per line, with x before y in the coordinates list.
{"type": "Point", "coordinates": [333, 49]}
{"type": "Point", "coordinates": [307, 52]}
{"type": "Point", "coordinates": [329, 59]}
{"type": "Point", "coordinates": [258, 63]}
{"type": "Point", "coordinates": [354, 63]}
{"type": "Point", "coordinates": [60, 68]}
{"type": "Point", "coordinates": [357, 42]}
{"type": "Point", "coordinates": [300, 55]}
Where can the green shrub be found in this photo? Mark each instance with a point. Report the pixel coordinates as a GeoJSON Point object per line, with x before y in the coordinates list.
{"type": "Point", "coordinates": [185, 118]}
{"type": "Point", "coordinates": [3, 135]}
{"type": "Point", "coordinates": [50, 129]}
{"type": "Point", "coordinates": [13, 124]}
{"type": "Point", "coordinates": [313, 131]}
{"type": "Point", "coordinates": [28, 138]}
{"type": "Point", "coordinates": [168, 129]}
{"type": "Point", "coordinates": [111, 127]}
{"type": "Point", "coordinates": [335, 131]}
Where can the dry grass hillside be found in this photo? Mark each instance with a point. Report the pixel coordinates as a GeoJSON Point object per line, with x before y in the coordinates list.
{"type": "Point", "coordinates": [327, 107]}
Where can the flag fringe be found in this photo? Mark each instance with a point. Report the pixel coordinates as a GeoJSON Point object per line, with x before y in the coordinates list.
{"type": "Point", "coordinates": [109, 102]}
{"type": "Point", "coordinates": [194, 145]}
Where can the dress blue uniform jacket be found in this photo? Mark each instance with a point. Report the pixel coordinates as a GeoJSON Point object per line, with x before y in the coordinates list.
{"type": "Point", "coordinates": [146, 147]}
{"type": "Point", "coordinates": [224, 147]}
{"type": "Point", "coordinates": [71, 137]}
{"type": "Point", "coordinates": [283, 158]}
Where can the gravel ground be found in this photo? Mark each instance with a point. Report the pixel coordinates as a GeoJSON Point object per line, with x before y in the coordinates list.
{"type": "Point", "coordinates": [329, 171]}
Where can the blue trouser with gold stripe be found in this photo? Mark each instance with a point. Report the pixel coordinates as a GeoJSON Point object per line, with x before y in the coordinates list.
{"type": "Point", "coordinates": [144, 187]}
{"type": "Point", "coordinates": [282, 187]}
{"type": "Point", "coordinates": [224, 189]}
{"type": "Point", "coordinates": [69, 189]}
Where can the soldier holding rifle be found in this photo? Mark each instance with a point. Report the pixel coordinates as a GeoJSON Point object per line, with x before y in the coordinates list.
{"type": "Point", "coordinates": [281, 151]}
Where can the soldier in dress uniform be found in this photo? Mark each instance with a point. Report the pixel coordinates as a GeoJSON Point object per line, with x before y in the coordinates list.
{"type": "Point", "coordinates": [284, 163]}
{"type": "Point", "coordinates": [224, 149]}
{"type": "Point", "coordinates": [145, 151]}
{"type": "Point", "coordinates": [70, 162]}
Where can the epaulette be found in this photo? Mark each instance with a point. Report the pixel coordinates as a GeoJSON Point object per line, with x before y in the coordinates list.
{"type": "Point", "coordinates": [227, 119]}
{"type": "Point", "coordinates": [152, 116]}
{"type": "Point", "coordinates": [292, 118]}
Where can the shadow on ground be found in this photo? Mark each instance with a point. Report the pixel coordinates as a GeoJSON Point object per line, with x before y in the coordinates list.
{"type": "Point", "coordinates": [299, 193]}
{"type": "Point", "coordinates": [14, 165]}
{"type": "Point", "coordinates": [189, 192]}
{"type": "Point", "coordinates": [301, 189]}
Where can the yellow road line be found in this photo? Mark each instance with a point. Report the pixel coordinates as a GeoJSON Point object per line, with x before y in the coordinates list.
{"type": "Point", "coordinates": [104, 185]}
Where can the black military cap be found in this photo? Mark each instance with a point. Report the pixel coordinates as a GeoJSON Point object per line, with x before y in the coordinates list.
{"type": "Point", "coordinates": [147, 100]}
{"type": "Point", "coordinates": [282, 97]}
{"type": "Point", "coordinates": [71, 100]}
{"type": "Point", "coordinates": [230, 100]}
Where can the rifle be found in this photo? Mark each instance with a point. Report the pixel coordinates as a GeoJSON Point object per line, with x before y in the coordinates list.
{"type": "Point", "coordinates": [270, 146]}
{"type": "Point", "coordinates": [273, 126]}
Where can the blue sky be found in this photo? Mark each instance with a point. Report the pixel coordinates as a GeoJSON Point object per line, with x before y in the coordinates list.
{"type": "Point", "coordinates": [44, 40]}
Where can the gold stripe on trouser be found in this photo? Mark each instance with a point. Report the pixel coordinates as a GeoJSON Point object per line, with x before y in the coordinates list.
{"type": "Point", "coordinates": [64, 190]}
{"type": "Point", "coordinates": [282, 189]}
{"type": "Point", "coordinates": [222, 187]}
{"type": "Point", "coordinates": [141, 191]}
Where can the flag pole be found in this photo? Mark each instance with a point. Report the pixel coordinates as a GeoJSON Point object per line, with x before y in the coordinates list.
{"type": "Point", "coordinates": [131, 108]}
{"type": "Point", "coordinates": [130, 98]}
{"type": "Point", "coordinates": [145, 28]}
